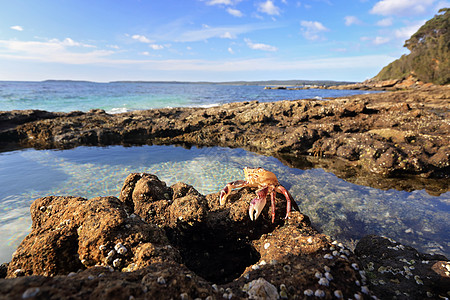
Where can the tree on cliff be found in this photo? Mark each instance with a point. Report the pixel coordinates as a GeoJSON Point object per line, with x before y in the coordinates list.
{"type": "Point", "coordinates": [429, 60]}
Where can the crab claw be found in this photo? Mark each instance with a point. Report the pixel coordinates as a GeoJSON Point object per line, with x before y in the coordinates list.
{"type": "Point", "coordinates": [256, 207]}
{"type": "Point", "coordinates": [227, 189]}
{"type": "Point", "coordinates": [257, 204]}
{"type": "Point", "coordinates": [224, 195]}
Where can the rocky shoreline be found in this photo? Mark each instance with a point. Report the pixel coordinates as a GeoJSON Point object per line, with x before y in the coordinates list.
{"type": "Point", "coordinates": [363, 138]}
{"type": "Point", "coordinates": [161, 242]}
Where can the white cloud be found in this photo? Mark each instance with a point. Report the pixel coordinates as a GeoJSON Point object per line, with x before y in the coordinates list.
{"type": "Point", "coordinates": [259, 46]}
{"type": "Point", "coordinates": [234, 12]}
{"type": "Point", "coordinates": [406, 32]}
{"type": "Point", "coordinates": [352, 20]}
{"type": "Point", "coordinates": [230, 50]}
{"type": "Point", "coordinates": [269, 8]}
{"type": "Point", "coordinates": [386, 22]}
{"type": "Point", "coordinates": [54, 51]}
{"type": "Point", "coordinates": [206, 33]}
{"type": "Point", "coordinates": [227, 35]}
{"type": "Point", "coordinates": [141, 38]}
{"type": "Point", "coordinates": [17, 27]}
{"type": "Point", "coordinates": [70, 43]}
{"type": "Point", "coordinates": [401, 7]}
{"type": "Point", "coordinates": [221, 2]}
{"type": "Point", "coordinates": [312, 29]}
{"type": "Point", "coordinates": [380, 40]}
{"type": "Point", "coordinates": [31, 51]}
{"type": "Point", "coordinates": [156, 47]}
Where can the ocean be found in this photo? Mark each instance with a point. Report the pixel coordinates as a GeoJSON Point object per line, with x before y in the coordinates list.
{"type": "Point", "coordinates": [341, 209]}
{"type": "Point", "coordinates": [117, 97]}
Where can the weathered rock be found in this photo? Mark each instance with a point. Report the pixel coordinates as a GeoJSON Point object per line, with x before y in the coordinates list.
{"type": "Point", "coordinates": [396, 271]}
{"type": "Point", "coordinates": [388, 134]}
{"type": "Point", "coordinates": [104, 248]}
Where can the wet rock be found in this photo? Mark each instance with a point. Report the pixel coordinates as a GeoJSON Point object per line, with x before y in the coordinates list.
{"type": "Point", "coordinates": [396, 271]}
{"type": "Point", "coordinates": [413, 124]}
{"type": "Point", "coordinates": [76, 248]}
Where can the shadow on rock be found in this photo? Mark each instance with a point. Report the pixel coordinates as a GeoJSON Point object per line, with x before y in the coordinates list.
{"type": "Point", "coordinates": [160, 242]}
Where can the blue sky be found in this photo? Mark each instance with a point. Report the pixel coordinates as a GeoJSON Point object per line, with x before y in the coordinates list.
{"type": "Point", "coordinates": [205, 40]}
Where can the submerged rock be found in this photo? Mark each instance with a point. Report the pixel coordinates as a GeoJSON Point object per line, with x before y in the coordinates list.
{"type": "Point", "coordinates": [396, 271]}
{"type": "Point", "coordinates": [160, 242]}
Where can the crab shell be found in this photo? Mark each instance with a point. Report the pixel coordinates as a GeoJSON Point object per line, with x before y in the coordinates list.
{"type": "Point", "coordinates": [259, 177]}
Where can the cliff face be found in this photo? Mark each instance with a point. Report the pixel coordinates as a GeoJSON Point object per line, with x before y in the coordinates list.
{"type": "Point", "coordinates": [430, 51]}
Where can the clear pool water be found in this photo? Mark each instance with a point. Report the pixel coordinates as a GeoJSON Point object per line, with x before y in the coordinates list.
{"type": "Point", "coordinates": [338, 208]}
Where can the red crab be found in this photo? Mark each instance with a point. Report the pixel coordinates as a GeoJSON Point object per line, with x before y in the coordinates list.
{"type": "Point", "coordinates": [266, 182]}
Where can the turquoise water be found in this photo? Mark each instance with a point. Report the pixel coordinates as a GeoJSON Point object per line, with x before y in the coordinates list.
{"type": "Point", "coordinates": [338, 208]}
{"type": "Point", "coordinates": [121, 97]}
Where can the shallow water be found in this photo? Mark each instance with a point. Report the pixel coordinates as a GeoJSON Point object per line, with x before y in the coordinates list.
{"type": "Point", "coordinates": [338, 208]}
{"type": "Point", "coordinates": [119, 97]}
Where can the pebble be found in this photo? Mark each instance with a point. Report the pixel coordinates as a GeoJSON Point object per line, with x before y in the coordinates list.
{"type": "Point", "coordinates": [355, 266]}
{"type": "Point", "coordinates": [328, 276]}
{"type": "Point", "coordinates": [266, 245]}
{"type": "Point", "coordinates": [117, 262]}
{"type": "Point", "coordinates": [323, 281]}
{"type": "Point", "coordinates": [308, 292]}
{"type": "Point", "coordinates": [318, 274]}
{"type": "Point", "coordinates": [121, 249]}
{"type": "Point", "coordinates": [161, 280]}
{"type": "Point", "coordinates": [327, 268]}
{"type": "Point", "coordinates": [328, 256]}
{"type": "Point", "coordinates": [262, 289]}
{"type": "Point", "coordinates": [184, 296]}
{"type": "Point", "coordinates": [319, 293]}
{"type": "Point", "coordinates": [338, 294]}
{"type": "Point", "coordinates": [30, 292]}
{"type": "Point", "coordinates": [365, 289]}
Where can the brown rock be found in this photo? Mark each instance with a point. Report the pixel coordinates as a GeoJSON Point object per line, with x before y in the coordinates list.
{"type": "Point", "coordinates": [396, 271]}
{"type": "Point", "coordinates": [125, 257]}
{"type": "Point", "coordinates": [413, 123]}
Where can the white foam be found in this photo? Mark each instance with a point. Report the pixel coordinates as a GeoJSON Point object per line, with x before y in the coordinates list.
{"type": "Point", "coordinates": [117, 110]}
{"type": "Point", "coordinates": [208, 105]}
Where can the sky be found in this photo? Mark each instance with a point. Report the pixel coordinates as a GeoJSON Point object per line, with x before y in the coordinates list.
{"type": "Point", "coordinates": [205, 40]}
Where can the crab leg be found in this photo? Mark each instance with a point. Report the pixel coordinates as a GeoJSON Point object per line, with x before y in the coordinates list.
{"type": "Point", "coordinates": [257, 204]}
{"type": "Point", "coordinates": [227, 189]}
{"type": "Point", "coordinates": [282, 190]}
{"type": "Point", "coordinates": [272, 199]}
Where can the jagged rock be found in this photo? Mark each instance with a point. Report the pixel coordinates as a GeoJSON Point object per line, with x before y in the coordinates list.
{"type": "Point", "coordinates": [396, 271]}
{"type": "Point", "coordinates": [110, 248]}
{"type": "Point", "coordinates": [409, 128]}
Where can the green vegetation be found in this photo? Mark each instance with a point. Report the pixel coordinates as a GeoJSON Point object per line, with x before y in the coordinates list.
{"type": "Point", "coordinates": [430, 51]}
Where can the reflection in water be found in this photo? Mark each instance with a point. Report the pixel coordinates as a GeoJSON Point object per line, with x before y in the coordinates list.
{"type": "Point", "coordinates": [343, 210]}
